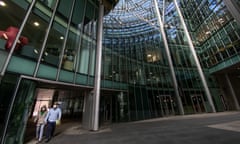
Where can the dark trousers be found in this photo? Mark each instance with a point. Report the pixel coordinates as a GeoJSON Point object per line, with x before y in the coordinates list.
{"type": "Point", "coordinates": [50, 129]}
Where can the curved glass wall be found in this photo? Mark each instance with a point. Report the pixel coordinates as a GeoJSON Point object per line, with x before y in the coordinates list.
{"type": "Point", "coordinates": [134, 53]}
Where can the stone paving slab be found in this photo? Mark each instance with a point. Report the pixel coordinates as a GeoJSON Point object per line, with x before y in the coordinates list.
{"type": "Point", "coordinates": [231, 126]}
{"type": "Point", "coordinates": [210, 128]}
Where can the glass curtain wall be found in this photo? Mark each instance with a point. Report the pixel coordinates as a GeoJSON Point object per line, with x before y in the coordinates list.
{"type": "Point", "coordinates": [20, 109]}
{"type": "Point", "coordinates": [8, 84]}
{"type": "Point", "coordinates": [133, 47]}
{"type": "Point", "coordinates": [57, 42]}
{"type": "Point", "coordinates": [58, 39]}
{"type": "Point", "coordinates": [215, 32]}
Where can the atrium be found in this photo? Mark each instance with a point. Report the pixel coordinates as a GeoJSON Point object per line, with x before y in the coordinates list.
{"type": "Point", "coordinates": [112, 61]}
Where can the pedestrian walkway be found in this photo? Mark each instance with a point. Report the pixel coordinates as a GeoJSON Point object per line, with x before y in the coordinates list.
{"type": "Point", "coordinates": [209, 128]}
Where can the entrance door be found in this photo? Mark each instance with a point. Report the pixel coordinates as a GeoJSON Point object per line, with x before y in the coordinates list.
{"type": "Point", "coordinates": [167, 105]}
{"type": "Point", "coordinates": [106, 109]}
{"type": "Point", "coordinates": [198, 103]}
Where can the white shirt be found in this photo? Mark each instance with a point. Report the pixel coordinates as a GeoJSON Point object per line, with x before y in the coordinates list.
{"type": "Point", "coordinates": [53, 115]}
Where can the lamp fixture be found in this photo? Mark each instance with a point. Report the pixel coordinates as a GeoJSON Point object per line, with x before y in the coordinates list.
{"type": "Point", "coordinates": [149, 55]}
{"type": "Point", "coordinates": [36, 24]}
{"type": "Point", "coordinates": [208, 32]}
{"type": "Point", "coordinates": [35, 51]}
{"type": "Point", "coordinates": [2, 3]}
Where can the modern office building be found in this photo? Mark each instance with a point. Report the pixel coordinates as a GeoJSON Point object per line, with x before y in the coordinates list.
{"type": "Point", "coordinates": [108, 61]}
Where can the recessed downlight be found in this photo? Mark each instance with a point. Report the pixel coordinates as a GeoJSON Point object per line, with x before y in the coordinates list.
{"type": "Point", "coordinates": [2, 3]}
{"type": "Point", "coordinates": [36, 24]}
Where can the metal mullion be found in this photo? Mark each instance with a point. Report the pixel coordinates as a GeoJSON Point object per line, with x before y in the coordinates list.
{"type": "Point", "coordinates": [224, 42]}
{"type": "Point", "coordinates": [88, 43]}
{"type": "Point", "coordinates": [91, 48]}
{"type": "Point", "coordinates": [65, 40]}
{"type": "Point", "coordinates": [126, 62]}
{"type": "Point", "coordinates": [163, 11]}
{"type": "Point", "coordinates": [143, 73]}
{"type": "Point", "coordinates": [112, 59]}
{"type": "Point", "coordinates": [143, 65]}
{"type": "Point", "coordinates": [133, 61]}
{"type": "Point", "coordinates": [129, 66]}
{"type": "Point", "coordinates": [46, 38]}
{"type": "Point", "coordinates": [184, 56]}
{"type": "Point", "coordinates": [118, 79]}
{"type": "Point", "coordinates": [141, 61]}
{"type": "Point", "coordinates": [158, 65]}
{"type": "Point", "coordinates": [149, 70]}
{"type": "Point", "coordinates": [80, 43]}
{"type": "Point", "coordinates": [121, 62]}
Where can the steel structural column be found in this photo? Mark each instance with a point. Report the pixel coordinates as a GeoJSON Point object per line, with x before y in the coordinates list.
{"type": "Point", "coordinates": [180, 106]}
{"type": "Point", "coordinates": [200, 71]}
{"type": "Point", "coordinates": [97, 80]}
{"type": "Point", "coordinates": [232, 92]}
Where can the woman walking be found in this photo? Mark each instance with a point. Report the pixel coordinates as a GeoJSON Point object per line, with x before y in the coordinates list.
{"type": "Point", "coordinates": [40, 123]}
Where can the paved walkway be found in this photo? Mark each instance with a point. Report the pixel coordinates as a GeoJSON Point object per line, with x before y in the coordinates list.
{"type": "Point", "coordinates": [217, 128]}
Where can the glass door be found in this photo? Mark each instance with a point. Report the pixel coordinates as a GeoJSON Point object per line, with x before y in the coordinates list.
{"type": "Point", "coordinates": [198, 103]}
{"type": "Point", "coordinates": [167, 105]}
{"type": "Point", "coordinates": [105, 109]}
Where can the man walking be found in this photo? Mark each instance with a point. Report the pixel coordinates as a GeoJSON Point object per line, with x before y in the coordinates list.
{"type": "Point", "coordinates": [53, 115]}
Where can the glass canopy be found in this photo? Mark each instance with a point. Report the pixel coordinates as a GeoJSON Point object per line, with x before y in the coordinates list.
{"type": "Point", "coordinates": [132, 17]}
{"type": "Point", "coordinates": [137, 18]}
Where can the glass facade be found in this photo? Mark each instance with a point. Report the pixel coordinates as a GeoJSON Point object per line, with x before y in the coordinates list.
{"type": "Point", "coordinates": [55, 42]}
{"type": "Point", "coordinates": [135, 54]}
{"type": "Point", "coordinates": [58, 36]}
{"type": "Point", "coordinates": [215, 32]}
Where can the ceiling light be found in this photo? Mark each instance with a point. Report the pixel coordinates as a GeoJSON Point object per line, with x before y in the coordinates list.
{"type": "Point", "coordinates": [2, 3]}
{"type": "Point", "coordinates": [208, 32]}
{"type": "Point", "coordinates": [36, 24]}
{"type": "Point", "coordinates": [221, 20]}
{"type": "Point", "coordinates": [149, 55]}
{"type": "Point", "coordinates": [61, 37]}
{"type": "Point", "coordinates": [35, 51]}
